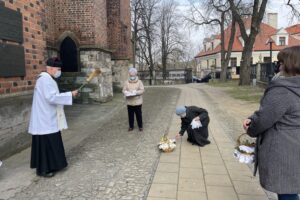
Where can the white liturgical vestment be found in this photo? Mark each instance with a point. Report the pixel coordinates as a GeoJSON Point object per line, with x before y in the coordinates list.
{"type": "Point", "coordinates": [47, 113]}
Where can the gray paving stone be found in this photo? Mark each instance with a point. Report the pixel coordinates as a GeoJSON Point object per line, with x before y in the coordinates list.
{"type": "Point", "coordinates": [111, 163]}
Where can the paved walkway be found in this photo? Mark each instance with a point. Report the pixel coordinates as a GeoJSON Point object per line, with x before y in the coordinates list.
{"type": "Point", "coordinates": [108, 163]}
{"type": "Point", "coordinates": [211, 172]}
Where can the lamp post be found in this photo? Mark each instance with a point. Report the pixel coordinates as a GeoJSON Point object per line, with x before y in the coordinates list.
{"type": "Point", "coordinates": [270, 75]}
{"type": "Point", "coordinates": [271, 42]}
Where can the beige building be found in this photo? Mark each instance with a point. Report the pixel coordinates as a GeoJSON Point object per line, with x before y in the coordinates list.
{"type": "Point", "coordinates": [209, 59]}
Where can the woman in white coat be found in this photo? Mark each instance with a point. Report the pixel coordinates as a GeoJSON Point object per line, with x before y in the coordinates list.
{"type": "Point", "coordinates": [47, 120]}
{"type": "Point", "coordinates": [133, 90]}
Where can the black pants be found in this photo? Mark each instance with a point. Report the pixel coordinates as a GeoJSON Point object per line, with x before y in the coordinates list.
{"type": "Point", "coordinates": [138, 113]}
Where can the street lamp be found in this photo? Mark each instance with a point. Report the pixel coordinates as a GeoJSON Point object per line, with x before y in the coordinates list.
{"type": "Point", "coordinates": [270, 42]}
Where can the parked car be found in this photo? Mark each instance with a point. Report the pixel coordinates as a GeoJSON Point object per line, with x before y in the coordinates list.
{"type": "Point", "coordinates": [196, 79]}
{"type": "Point", "coordinates": [206, 78]}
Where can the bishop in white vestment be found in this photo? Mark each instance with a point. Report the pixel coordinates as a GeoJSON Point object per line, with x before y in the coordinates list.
{"type": "Point", "coordinates": [47, 120]}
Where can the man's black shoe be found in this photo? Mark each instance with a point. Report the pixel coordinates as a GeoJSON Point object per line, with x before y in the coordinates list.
{"type": "Point", "coordinates": [47, 175]}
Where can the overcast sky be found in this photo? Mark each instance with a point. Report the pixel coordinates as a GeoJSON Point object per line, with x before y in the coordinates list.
{"type": "Point", "coordinates": [277, 6]}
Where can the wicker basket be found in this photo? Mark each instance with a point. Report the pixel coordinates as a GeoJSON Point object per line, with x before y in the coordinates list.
{"type": "Point", "coordinates": [245, 140]}
{"type": "Point", "coordinates": [166, 145]}
{"type": "Point", "coordinates": [246, 143]}
{"type": "Point", "coordinates": [168, 150]}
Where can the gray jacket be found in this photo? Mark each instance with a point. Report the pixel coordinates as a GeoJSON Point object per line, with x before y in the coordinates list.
{"type": "Point", "coordinates": [277, 127]}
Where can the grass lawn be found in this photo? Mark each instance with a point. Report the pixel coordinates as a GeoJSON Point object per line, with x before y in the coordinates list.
{"type": "Point", "coordinates": [246, 93]}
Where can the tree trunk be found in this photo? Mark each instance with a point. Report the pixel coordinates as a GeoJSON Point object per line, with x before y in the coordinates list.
{"type": "Point", "coordinates": [134, 50]}
{"type": "Point", "coordinates": [230, 44]}
{"type": "Point", "coordinates": [164, 63]}
{"type": "Point", "coordinates": [150, 75]}
{"type": "Point", "coordinates": [245, 65]}
{"type": "Point", "coordinates": [223, 66]}
{"type": "Point", "coordinates": [256, 18]}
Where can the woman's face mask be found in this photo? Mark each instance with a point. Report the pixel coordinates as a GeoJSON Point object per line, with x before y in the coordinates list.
{"type": "Point", "coordinates": [132, 78]}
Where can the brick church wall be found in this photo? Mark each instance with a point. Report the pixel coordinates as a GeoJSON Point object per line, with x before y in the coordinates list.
{"type": "Point", "coordinates": [118, 20]}
{"type": "Point", "coordinates": [102, 23]}
{"type": "Point", "coordinates": [50, 23]}
{"type": "Point", "coordinates": [86, 19]}
{"type": "Point", "coordinates": [100, 17]}
{"type": "Point", "coordinates": [75, 16]}
{"type": "Point", "coordinates": [15, 92]}
{"type": "Point", "coordinates": [34, 46]}
{"type": "Point", "coordinates": [44, 21]}
{"type": "Point", "coordinates": [125, 14]}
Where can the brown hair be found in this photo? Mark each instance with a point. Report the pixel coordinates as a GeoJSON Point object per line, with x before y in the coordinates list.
{"type": "Point", "coordinates": [290, 57]}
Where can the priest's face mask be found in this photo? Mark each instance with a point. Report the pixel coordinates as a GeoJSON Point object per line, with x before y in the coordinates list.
{"type": "Point", "coordinates": [57, 73]}
{"type": "Point", "coordinates": [54, 71]}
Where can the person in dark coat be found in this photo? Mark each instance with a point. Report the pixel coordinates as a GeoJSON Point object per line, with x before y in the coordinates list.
{"type": "Point", "coordinates": [276, 125]}
{"type": "Point", "coordinates": [196, 136]}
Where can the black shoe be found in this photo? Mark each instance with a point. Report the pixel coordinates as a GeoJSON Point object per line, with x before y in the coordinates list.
{"type": "Point", "coordinates": [141, 129]}
{"type": "Point", "coordinates": [130, 129]}
{"type": "Point", "coordinates": [47, 175]}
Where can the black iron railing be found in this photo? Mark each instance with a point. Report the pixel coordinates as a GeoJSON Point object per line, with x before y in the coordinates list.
{"type": "Point", "coordinates": [183, 74]}
{"type": "Point", "coordinates": [266, 72]}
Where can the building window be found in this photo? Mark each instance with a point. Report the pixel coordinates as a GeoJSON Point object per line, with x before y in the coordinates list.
{"type": "Point", "coordinates": [282, 41]}
{"type": "Point", "coordinates": [205, 47]}
{"type": "Point", "coordinates": [212, 45]}
{"type": "Point", "coordinates": [233, 62]}
{"type": "Point", "coordinates": [207, 64]}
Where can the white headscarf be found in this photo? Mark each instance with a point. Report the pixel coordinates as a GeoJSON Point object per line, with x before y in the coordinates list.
{"type": "Point", "coordinates": [132, 71]}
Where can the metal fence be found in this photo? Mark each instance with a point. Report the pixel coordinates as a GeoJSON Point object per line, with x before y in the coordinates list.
{"type": "Point", "coordinates": [253, 72]}
{"type": "Point", "coordinates": [266, 72]}
{"type": "Point", "coordinates": [174, 76]}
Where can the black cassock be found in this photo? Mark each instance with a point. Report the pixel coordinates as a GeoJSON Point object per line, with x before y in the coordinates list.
{"type": "Point", "coordinates": [48, 153]}
{"type": "Point", "coordinates": [196, 136]}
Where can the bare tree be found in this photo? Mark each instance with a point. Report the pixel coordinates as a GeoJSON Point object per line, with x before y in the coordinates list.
{"type": "Point", "coordinates": [147, 34]}
{"type": "Point", "coordinates": [170, 39]}
{"type": "Point", "coordinates": [217, 12]}
{"type": "Point", "coordinates": [295, 11]}
{"type": "Point", "coordinates": [258, 10]}
{"type": "Point", "coordinates": [136, 13]}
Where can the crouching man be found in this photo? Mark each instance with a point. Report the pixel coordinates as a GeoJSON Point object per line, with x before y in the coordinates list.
{"type": "Point", "coordinates": [195, 121]}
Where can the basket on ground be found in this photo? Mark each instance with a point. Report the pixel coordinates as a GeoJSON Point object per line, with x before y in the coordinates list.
{"type": "Point", "coordinates": [166, 144]}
